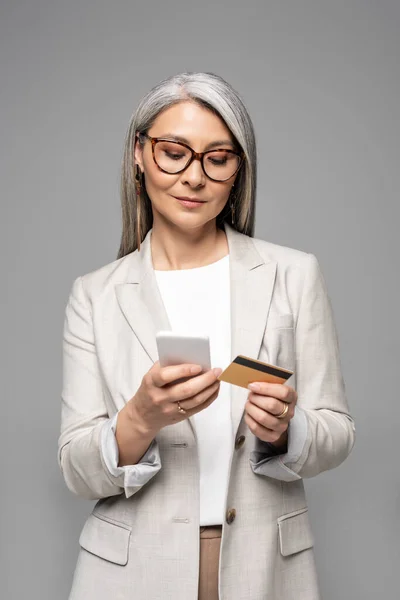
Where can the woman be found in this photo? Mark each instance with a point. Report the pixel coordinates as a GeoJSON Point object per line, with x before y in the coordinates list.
{"type": "Point", "coordinates": [199, 483]}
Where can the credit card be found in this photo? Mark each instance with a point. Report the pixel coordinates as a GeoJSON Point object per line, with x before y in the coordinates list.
{"type": "Point", "coordinates": [244, 370]}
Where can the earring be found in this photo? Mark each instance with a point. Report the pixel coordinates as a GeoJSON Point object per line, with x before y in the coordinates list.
{"type": "Point", "coordinates": [232, 204]}
{"type": "Point", "coordinates": [233, 213]}
{"type": "Point", "coordinates": [138, 186]}
{"type": "Point", "coordinates": [138, 179]}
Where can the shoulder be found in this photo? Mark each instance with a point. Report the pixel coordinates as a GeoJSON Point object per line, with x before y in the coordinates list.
{"type": "Point", "coordinates": [296, 269]}
{"type": "Point", "coordinates": [97, 282]}
{"type": "Point", "coordinates": [286, 257]}
{"type": "Point", "coordinates": [293, 266]}
{"type": "Point", "coordinates": [268, 251]}
{"type": "Point", "coordinates": [283, 255]}
{"type": "Point", "coordinates": [298, 272]}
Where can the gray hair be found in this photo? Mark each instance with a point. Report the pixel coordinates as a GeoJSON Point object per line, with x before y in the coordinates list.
{"type": "Point", "coordinates": [214, 93]}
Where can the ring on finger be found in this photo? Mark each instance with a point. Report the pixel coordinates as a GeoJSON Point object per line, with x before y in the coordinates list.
{"type": "Point", "coordinates": [180, 409]}
{"type": "Point", "coordinates": [283, 413]}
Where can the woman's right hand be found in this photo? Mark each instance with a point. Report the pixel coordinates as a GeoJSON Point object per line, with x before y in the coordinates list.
{"type": "Point", "coordinates": [155, 404]}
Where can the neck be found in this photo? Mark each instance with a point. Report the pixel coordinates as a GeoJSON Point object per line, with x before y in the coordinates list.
{"type": "Point", "coordinates": [175, 249]}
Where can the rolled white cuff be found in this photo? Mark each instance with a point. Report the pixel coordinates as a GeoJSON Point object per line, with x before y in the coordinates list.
{"type": "Point", "coordinates": [130, 477]}
{"type": "Point", "coordinates": [263, 463]}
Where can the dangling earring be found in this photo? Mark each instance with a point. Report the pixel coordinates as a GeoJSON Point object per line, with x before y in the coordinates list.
{"type": "Point", "coordinates": [232, 203]}
{"type": "Point", "coordinates": [138, 186]}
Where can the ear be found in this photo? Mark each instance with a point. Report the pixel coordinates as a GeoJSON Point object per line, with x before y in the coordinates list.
{"type": "Point", "coordinates": [139, 154]}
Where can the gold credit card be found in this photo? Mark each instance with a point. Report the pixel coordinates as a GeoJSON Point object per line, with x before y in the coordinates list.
{"type": "Point", "coordinates": [244, 370]}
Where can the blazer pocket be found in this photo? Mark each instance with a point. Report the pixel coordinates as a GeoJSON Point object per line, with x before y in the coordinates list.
{"type": "Point", "coordinates": [295, 532]}
{"type": "Point", "coordinates": [105, 539]}
{"type": "Point", "coordinates": [280, 321]}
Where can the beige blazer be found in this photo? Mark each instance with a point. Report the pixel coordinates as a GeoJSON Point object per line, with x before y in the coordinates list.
{"type": "Point", "coordinates": [143, 543]}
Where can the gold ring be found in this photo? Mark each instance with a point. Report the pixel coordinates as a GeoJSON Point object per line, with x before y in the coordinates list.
{"type": "Point", "coordinates": [283, 413]}
{"type": "Point", "coordinates": [181, 410]}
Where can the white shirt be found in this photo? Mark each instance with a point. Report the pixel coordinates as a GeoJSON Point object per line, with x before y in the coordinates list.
{"type": "Point", "coordinates": [197, 301]}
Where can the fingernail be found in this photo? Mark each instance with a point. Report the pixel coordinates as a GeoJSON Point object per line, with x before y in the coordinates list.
{"type": "Point", "coordinates": [254, 386]}
{"type": "Point", "coordinates": [217, 372]}
{"type": "Point", "coordinates": [195, 369]}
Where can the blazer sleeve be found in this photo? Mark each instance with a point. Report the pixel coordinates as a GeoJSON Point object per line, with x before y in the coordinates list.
{"type": "Point", "coordinates": [86, 427]}
{"type": "Point", "coordinates": [322, 432]}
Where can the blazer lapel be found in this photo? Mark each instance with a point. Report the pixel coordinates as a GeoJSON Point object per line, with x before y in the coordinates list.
{"type": "Point", "coordinates": [252, 281]}
{"type": "Point", "coordinates": [141, 302]}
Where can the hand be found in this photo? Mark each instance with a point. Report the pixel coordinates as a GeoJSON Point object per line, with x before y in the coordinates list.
{"type": "Point", "coordinates": [155, 404]}
{"type": "Point", "coordinates": [264, 402]}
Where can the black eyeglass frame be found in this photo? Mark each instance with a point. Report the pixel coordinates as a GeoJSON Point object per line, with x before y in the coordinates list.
{"type": "Point", "coordinates": [195, 156]}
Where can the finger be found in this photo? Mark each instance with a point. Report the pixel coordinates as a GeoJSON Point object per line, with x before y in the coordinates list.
{"type": "Point", "coordinates": [271, 405]}
{"type": "Point", "coordinates": [201, 397]}
{"type": "Point", "coordinates": [261, 432]}
{"type": "Point", "coordinates": [204, 405]}
{"type": "Point", "coordinates": [265, 419]}
{"type": "Point", "coordinates": [162, 376]}
{"type": "Point", "coordinates": [195, 385]}
{"type": "Point", "coordinates": [276, 390]}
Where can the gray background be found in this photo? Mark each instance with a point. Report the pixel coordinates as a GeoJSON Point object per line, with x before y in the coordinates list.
{"type": "Point", "coordinates": [321, 81]}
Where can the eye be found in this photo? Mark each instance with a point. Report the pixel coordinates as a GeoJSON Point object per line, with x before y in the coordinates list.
{"type": "Point", "coordinates": [173, 155]}
{"type": "Point", "coordinates": [220, 158]}
{"type": "Point", "coordinates": [218, 161]}
{"type": "Point", "coordinates": [170, 151]}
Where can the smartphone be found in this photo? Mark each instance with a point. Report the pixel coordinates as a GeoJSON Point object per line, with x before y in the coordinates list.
{"type": "Point", "coordinates": [179, 348]}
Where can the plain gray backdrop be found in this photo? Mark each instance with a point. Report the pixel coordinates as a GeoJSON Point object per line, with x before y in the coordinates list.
{"type": "Point", "coordinates": [321, 81]}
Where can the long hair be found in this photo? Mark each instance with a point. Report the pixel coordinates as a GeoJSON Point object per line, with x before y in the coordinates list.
{"type": "Point", "coordinates": [214, 93]}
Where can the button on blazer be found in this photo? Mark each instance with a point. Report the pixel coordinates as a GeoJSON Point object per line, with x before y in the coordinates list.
{"type": "Point", "coordinates": [142, 540]}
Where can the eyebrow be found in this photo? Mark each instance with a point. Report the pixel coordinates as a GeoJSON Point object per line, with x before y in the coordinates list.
{"type": "Point", "coordinates": [178, 138]}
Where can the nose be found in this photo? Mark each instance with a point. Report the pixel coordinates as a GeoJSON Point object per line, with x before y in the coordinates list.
{"type": "Point", "coordinates": [194, 175]}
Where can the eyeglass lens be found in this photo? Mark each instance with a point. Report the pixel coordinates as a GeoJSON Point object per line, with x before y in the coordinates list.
{"type": "Point", "coordinates": [173, 157]}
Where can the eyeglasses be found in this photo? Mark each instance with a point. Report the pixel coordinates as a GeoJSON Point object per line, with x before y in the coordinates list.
{"type": "Point", "coordinates": [174, 157]}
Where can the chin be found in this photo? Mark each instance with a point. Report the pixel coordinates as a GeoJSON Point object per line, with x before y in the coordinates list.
{"type": "Point", "coordinates": [186, 222]}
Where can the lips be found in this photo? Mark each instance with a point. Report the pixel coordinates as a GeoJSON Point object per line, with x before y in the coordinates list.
{"type": "Point", "coordinates": [189, 199]}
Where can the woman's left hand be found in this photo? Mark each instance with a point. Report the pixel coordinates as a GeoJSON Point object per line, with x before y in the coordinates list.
{"type": "Point", "coordinates": [264, 402]}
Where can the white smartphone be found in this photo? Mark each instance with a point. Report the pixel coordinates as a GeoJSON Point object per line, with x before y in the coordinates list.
{"type": "Point", "coordinates": [179, 348]}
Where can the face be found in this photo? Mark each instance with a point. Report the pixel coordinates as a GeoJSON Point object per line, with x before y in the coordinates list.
{"type": "Point", "coordinates": [200, 129]}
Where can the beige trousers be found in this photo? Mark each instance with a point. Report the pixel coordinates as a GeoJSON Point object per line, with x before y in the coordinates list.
{"type": "Point", "coordinates": [210, 543]}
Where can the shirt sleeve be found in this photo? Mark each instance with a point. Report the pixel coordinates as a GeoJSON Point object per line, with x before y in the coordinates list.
{"type": "Point", "coordinates": [133, 476]}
